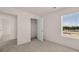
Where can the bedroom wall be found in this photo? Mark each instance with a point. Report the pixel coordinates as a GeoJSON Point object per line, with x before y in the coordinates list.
{"type": "Point", "coordinates": [23, 23]}
{"type": "Point", "coordinates": [52, 28]}
{"type": "Point", "coordinates": [8, 27]}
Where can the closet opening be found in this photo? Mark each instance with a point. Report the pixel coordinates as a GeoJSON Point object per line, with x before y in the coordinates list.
{"type": "Point", "coordinates": [33, 29]}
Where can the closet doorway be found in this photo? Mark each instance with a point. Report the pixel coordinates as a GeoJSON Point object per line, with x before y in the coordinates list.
{"type": "Point", "coordinates": [33, 29]}
{"type": "Point", "coordinates": [37, 29]}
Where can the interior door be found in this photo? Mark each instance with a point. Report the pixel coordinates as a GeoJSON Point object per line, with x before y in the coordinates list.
{"type": "Point", "coordinates": [40, 29]}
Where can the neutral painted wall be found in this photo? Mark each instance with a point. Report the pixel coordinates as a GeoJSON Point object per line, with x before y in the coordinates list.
{"type": "Point", "coordinates": [52, 28]}
{"type": "Point", "coordinates": [23, 24]}
{"type": "Point", "coordinates": [8, 23]}
{"type": "Point", "coordinates": [33, 28]}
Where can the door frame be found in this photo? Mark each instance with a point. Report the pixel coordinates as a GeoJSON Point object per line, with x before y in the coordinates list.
{"type": "Point", "coordinates": [33, 19]}
{"type": "Point", "coordinates": [38, 18]}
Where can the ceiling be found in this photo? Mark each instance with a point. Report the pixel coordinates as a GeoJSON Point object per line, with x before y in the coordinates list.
{"type": "Point", "coordinates": [40, 10]}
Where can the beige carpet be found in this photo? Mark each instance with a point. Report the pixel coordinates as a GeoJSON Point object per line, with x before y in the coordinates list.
{"type": "Point", "coordinates": [35, 46]}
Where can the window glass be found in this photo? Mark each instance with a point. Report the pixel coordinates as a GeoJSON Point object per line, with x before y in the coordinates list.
{"type": "Point", "coordinates": [70, 25]}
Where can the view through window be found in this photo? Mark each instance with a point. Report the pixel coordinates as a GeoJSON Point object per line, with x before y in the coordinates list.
{"type": "Point", "coordinates": [70, 25]}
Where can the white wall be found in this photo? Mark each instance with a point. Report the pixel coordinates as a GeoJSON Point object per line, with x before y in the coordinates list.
{"type": "Point", "coordinates": [23, 24]}
{"type": "Point", "coordinates": [33, 28]}
{"type": "Point", "coordinates": [52, 28]}
{"type": "Point", "coordinates": [8, 27]}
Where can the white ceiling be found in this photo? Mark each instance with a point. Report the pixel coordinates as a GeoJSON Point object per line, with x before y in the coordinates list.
{"type": "Point", "coordinates": [39, 10]}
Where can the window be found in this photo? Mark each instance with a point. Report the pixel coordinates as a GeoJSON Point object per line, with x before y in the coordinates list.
{"type": "Point", "coordinates": [70, 25]}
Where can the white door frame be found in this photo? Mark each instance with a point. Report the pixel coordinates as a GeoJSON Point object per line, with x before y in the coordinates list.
{"type": "Point", "coordinates": [40, 31]}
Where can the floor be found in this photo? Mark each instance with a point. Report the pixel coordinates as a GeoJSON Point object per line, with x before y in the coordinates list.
{"type": "Point", "coordinates": [35, 46]}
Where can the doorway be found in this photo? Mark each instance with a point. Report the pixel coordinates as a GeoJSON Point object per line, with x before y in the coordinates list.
{"type": "Point", "coordinates": [37, 29]}
{"type": "Point", "coordinates": [33, 29]}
